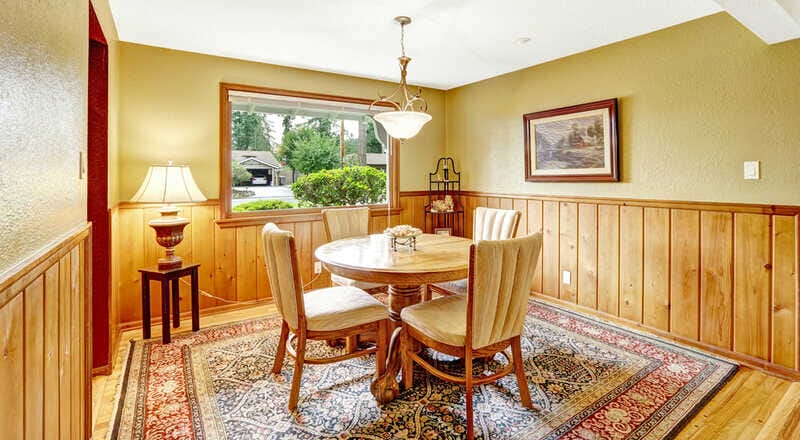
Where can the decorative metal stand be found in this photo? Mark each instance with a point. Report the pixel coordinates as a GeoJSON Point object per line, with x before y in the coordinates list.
{"type": "Point", "coordinates": [444, 181]}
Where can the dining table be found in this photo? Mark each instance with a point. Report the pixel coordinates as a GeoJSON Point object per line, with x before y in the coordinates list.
{"type": "Point", "coordinates": [406, 270]}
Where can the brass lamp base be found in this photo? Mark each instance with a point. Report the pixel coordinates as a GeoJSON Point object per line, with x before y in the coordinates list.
{"type": "Point", "coordinates": [169, 233]}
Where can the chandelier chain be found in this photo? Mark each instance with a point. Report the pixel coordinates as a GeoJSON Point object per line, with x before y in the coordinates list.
{"type": "Point", "coordinates": [403, 38]}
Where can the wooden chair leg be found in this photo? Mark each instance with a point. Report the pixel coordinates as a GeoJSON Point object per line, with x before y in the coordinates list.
{"type": "Point", "coordinates": [281, 353]}
{"type": "Point", "coordinates": [519, 370]}
{"type": "Point", "coordinates": [468, 396]}
{"type": "Point", "coordinates": [381, 342]}
{"type": "Point", "coordinates": [298, 370]}
{"type": "Point", "coordinates": [406, 348]}
{"type": "Point", "coordinates": [426, 293]}
{"type": "Point", "coordinates": [351, 343]}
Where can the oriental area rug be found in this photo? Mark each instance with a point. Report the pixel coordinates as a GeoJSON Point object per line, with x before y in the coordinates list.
{"type": "Point", "coordinates": [591, 380]}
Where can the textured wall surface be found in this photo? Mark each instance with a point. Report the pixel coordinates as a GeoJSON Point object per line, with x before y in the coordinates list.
{"type": "Point", "coordinates": [695, 101]}
{"type": "Point", "coordinates": [169, 110]}
{"type": "Point", "coordinates": [43, 74]}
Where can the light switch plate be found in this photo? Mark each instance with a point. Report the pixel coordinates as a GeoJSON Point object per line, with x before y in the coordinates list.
{"type": "Point", "coordinates": [751, 170]}
{"type": "Point", "coordinates": [81, 165]}
{"type": "Point", "coordinates": [566, 277]}
{"type": "Point", "coordinates": [317, 267]}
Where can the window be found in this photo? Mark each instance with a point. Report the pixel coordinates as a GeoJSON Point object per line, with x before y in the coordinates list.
{"type": "Point", "coordinates": [291, 151]}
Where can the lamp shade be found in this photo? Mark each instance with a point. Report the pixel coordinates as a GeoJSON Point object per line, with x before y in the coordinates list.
{"type": "Point", "coordinates": [402, 125]}
{"type": "Point", "coordinates": [168, 184]}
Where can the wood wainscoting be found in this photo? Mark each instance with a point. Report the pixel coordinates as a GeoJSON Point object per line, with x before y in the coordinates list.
{"type": "Point", "coordinates": [229, 252]}
{"type": "Point", "coordinates": [722, 277]}
{"type": "Point", "coordinates": [45, 354]}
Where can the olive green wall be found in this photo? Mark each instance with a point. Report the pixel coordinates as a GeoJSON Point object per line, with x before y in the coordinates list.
{"type": "Point", "coordinates": [43, 93]}
{"type": "Point", "coordinates": [695, 100]}
{"type": "Point", "coordinates": [169, 110]}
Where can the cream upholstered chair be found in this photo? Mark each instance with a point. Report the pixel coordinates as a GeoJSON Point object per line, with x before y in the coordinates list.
{"type": "Point", "coordinates": [345, 223]}
{"type": "Point", "coordinates": [488, 224]}
{"type": "Point", "coordinates": [329, 313]}
{"type": "Point", "coordinates": [485, 321]}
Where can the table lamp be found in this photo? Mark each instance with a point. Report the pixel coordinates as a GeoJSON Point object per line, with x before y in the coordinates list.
{"type": "Point", "coordinates": [169, 184]}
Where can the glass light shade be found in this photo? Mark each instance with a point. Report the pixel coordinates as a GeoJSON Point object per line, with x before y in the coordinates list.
{"type": "Point", "coordinates": [168, 184]}
{"type": "Point", "coordinates": [402, 125]}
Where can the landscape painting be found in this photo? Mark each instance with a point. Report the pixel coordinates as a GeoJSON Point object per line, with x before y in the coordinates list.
{"type": "Point", "coordinates": [572, 143]}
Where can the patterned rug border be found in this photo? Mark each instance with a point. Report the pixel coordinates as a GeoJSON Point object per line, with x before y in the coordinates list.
{"type": "Point", "coordinates": [122, 384]}
{"type": "Point", "coordinates": [618, 328]}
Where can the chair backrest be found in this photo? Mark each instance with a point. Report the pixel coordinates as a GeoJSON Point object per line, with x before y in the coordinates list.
{"type": "Point", "coordinates": [280, 257]}
{"type": "Point", "coordinates": [495, 224]}
{"type": "Point", "coordinates": [346, 222]}
{"type": "Point", "coordinates": [500, 275]}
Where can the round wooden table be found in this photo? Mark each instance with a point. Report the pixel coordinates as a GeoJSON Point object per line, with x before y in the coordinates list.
{"type": "Point", "coordinates": [437, 258]}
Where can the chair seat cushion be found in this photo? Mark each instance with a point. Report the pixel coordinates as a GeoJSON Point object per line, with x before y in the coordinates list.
{"type": "Point", "coordinates": [336, 308]}
{"type": "Point", "coordinates": [342, 281]}
{"type": "Point", "coordinates": [457, 287]}
{"type": "Point", "coordinates": [442, 319]}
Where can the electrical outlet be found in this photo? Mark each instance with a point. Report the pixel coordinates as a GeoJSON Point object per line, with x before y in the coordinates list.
{"type": "Point", "coordinates": [751, 170]}
{"type": "Point", "coordinates": [317, 267]}
{"type": "Point", "coordinates": [566, 277]}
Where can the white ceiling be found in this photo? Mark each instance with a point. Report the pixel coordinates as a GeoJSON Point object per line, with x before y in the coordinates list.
{"type": "Point", "coordinates": [451, 42]}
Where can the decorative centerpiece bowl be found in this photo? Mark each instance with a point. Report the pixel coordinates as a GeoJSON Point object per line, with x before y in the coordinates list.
{"type": "Point", "coordinates": [403, 235]}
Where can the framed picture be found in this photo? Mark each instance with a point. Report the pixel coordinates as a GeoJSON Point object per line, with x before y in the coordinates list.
{"type": "Point", "coordinates": [577, 143]}
{"type": "Point", "coordinates": [443, 231]}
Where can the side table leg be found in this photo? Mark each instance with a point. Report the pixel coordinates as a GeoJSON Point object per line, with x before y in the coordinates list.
{"type": "Point", "coordinates": [176, 298]}
{"type": "Point", "coordinates": [145, 307]}
{"type": "Point", "coordinates": [195, 302]}
{"type": "Point", "coordinates": [165, 336]}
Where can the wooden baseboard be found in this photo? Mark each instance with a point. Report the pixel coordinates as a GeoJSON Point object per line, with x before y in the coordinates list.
{"type": "Point", "coordinates": [749, 361]}
{"type": "Point", "coordinates": [208, 311]}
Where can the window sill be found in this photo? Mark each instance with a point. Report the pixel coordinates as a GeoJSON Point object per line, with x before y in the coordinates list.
{"type": "Point", "coordinates": [241, 219]}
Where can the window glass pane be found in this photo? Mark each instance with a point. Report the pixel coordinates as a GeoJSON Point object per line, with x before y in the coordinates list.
{"type": "Point", "coordinates": [300, 153]}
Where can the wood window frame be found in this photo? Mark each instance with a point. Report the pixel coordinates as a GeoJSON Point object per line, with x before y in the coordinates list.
{"type": "Point", "coordinates": [226, 214]}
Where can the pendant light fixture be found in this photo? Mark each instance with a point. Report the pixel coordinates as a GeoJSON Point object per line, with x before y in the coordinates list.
{"type": "Point", "coordinates": [410, 112]}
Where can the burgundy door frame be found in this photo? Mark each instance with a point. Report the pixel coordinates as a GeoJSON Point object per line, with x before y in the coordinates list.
{"type": "Point", "coordinates": [97, 195]}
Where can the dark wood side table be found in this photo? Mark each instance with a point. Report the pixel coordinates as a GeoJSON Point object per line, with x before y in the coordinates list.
{"type": "Point", "coordinates": [167, 277]}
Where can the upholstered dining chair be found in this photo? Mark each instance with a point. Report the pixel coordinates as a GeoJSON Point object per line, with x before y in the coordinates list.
{"type": "Point", "coordinates": [488, 224]}
{"type": "Point", "coordinates": [321, 314]}
{"type": "Point", "coordinates": [346, 223]}
{"type": "Point", "coordinates": [485, 321]}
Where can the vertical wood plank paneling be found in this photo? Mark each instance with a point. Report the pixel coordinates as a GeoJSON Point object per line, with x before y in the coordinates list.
{"type": "Point", "coordinates": [33, 305]}
{"type": "Point", "coordinates": [263, 289]}
{"type": "Point", "coordinates": [568, 250]}
{"type": "Point", "coordinates": [506, 203]}
{"type": "Point", "coordinates": [685, 273]}
{"type": "Point", "coordinates": [656, 268]}
{"type": "Point", "coordinates": [608, 259]}
{"type": "Point", "coordinates": [12, 368]}
{"type": "Point", "coordinates": [493, 202]}
{"type": "Point", "coordinates": [407, 210]}
{"type": "Point", "coordinates": [716, 278]}
{"type": "Point", "coordinates": [631, 250]}
{"type": "Point", "coordinates": [65, 350]}
{"type": "Point", "coordinates": [131, 238]}
{"type": "Point", "coordinates": [224, 263]}
{"type": "Point", "coordinates": [319, 238]}
{"type": "Point", "coordinates": [587, 255]}
{"type": "Point", "coordinates": [246, 270]}
{"type": "Point", "coordinates": [751, 288]}
{"type": "Point", "coordinates": [51, 364]}
{"type": "Point", "coordinates": [76, 345]}
{"type": "Point", "coordinates": [784, 300]}
{"type": "Point", "coordinates": [203, 250]}
{"type": "Point", "coordinates": [535, 225]}
{"type": "Point", "coordinates": [522, 206]}
{"type": "Point", "coordinates": [550, 260]}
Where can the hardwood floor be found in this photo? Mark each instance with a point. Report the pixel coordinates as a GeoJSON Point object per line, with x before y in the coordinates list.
{"type": "Point", "coordinates": [753, 405]}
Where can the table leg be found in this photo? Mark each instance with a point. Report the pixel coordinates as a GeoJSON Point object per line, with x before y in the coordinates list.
{"type": "Point", "coordinates": [145, 306]}
{"type": "Point", "coordinates": [385, 388]}
{"type": "Point", "coordinates": [195, 302]}
{"type": "Point", "coordinates": [165, 336]}
{"type": "Point", "coordinates": [176, 298]}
